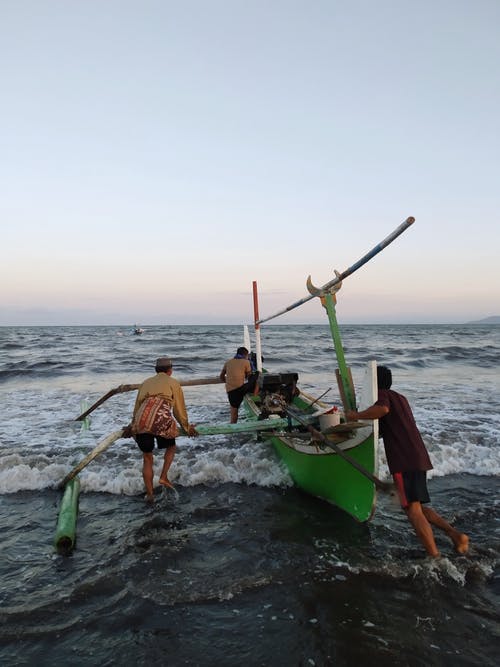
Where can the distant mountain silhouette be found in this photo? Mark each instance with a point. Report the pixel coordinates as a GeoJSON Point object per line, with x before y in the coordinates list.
{"type": "Point", "coordinates": [494, 319]}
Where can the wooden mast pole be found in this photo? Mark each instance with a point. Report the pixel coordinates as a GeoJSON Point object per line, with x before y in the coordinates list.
{"type": "Point", "coordinates": [258, 348]}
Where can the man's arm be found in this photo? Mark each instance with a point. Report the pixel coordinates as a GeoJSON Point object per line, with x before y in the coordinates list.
{"type": "Point", "coordinates": [138, 400]}
{"type": "Point", "coordinates": [179, 407]}
{"type": "Point", "coordinates": [373, 412]}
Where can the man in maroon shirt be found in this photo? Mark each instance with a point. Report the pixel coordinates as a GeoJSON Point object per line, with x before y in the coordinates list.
{"type": "Point", "coordinates": [408, 461]}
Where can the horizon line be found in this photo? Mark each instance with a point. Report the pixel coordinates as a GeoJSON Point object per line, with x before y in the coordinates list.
{"type": "Point", "coordinates": [486, 320]}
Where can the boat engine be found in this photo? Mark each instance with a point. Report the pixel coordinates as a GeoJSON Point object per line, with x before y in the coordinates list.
{"type": "Point", "coordinates": [276, 391]}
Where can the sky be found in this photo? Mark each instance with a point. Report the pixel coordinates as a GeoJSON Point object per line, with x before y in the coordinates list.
{"type": "Point", "coordinates": [157, 157]}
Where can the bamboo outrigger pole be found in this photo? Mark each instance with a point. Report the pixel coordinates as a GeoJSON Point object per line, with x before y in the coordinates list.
{"type": "Point", "coordinates": [65, 536]}
{"type": "Point", "coordinates": [340, 276]}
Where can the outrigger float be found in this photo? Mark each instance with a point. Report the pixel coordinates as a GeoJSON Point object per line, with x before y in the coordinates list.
{"type": "Point", "coordinates": [327, 456]}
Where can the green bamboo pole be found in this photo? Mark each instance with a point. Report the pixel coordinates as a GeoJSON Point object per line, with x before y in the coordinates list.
{"type": "Point", "coordinates": [250, 426]}
{"type": "Point", "coordinates": [86, 421]}
{"type": "Point", "coordinates": [66, 523]}
{"type": "Point", "coordinates": [345, 378]}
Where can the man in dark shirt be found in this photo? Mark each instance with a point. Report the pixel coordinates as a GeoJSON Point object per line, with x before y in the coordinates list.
{"type": "Point", "coordinates": [408, 461]}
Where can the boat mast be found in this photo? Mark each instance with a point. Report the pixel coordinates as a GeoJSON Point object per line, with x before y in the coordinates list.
{"type": "Point", "coordinates": [346, 386]}
{"type": "Point", "coordinates": [258, 349]}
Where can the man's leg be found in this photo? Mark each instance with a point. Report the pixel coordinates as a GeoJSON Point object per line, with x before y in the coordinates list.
{"type": "Point", "coordinates": [235, 397]}
{"type": "Point", "coordinates": [147, 473]}
{"type": "Point", "coordinates": [167, 462]}
{"type": "Point", "coordinates": [422, 527]}
{"type": "Point", "coordinates": [460, 540]}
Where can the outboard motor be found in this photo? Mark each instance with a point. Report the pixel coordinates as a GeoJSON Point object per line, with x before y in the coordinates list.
{"type": "Point", "coordinates": [276, 391]}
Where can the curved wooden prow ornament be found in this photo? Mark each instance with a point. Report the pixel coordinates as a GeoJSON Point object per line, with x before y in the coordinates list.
{"type": "Point", "coordinates": [321, 291]}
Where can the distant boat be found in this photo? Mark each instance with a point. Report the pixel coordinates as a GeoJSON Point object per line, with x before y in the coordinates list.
{"type": "Point", "coordinates": [138, 330]}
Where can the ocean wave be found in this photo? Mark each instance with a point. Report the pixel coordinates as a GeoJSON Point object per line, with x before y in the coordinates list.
{"type": "Point", "coordinates": [120, 471]}
{"type": "Point", "coordinates": [447, 373]}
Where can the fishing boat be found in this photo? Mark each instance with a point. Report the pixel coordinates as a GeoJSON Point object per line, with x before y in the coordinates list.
{"type": "Point", "coordinates": [327, 456]}
{"type": "Point", "coordinates": [332, 458]}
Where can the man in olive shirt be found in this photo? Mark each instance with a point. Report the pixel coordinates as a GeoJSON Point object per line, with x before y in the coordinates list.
{"type": "Point", "coordinates": [239, 379]}
{"type": "Point", "coordinates": [164, 385]}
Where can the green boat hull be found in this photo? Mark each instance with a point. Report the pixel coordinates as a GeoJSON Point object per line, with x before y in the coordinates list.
{"type": "Point", "coordinates": [331, 478]}
{"type": "Point", "coordinates": [323, 473]}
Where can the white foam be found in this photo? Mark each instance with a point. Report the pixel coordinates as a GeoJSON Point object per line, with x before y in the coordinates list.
{"type": "Point", "coordinates": [439, 570]}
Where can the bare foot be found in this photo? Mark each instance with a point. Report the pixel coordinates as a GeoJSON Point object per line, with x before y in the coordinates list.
{"type": "Point", "coordinates": [167, 483]}
{"type": "Point", "coordinates": [149, 498]}
{"type": "Point", "coordinates": [461, 543]}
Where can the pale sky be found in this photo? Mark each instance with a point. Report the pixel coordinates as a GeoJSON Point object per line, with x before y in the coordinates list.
{"type": "Point", "coordinates": [158, 156]}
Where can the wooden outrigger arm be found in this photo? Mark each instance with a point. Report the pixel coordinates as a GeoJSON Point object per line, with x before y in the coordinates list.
{"type": "Point", "coordinates": [117, 390]}
{"type": "Point", "coordinates": [271, 424]}
{"type": "Point", "coordinates": [130, 387]}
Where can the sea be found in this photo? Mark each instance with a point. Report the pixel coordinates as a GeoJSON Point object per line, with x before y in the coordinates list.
{"type": "Point", "coordinates": [236, 566]}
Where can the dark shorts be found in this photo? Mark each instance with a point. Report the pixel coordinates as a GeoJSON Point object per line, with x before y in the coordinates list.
{"type": "Point", "coordinates": [412, 487]}
{"type": "Point", "coordinates": [146, 442]}
{"type": "Point", "coordinates": [235, 396]}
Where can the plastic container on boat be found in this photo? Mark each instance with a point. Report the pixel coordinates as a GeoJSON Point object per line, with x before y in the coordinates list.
{"type": "Point", "coordinates": [329, 420]}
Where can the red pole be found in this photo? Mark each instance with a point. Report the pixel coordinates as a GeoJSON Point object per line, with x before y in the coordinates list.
{"type": "Point", "coordinates": [255, 305]}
